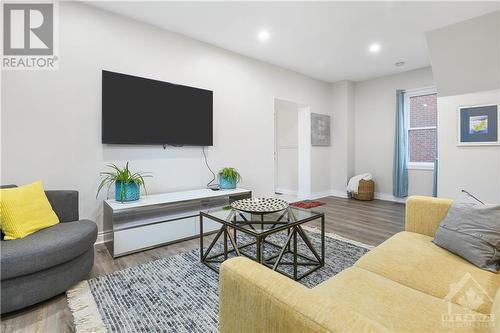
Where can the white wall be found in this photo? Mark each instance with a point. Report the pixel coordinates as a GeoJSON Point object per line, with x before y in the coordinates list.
{"type": "Point", "coordinates": [342, 163]}
{"type": "Point", "coordinates": [51, 120]}
{"type": "Point", "coordinates": [465, 59]}
{"type": "Point", "coordinates": [375, 119]}
{"type": "Point", "coordinates": [307, 174]}
{"type": "Point", "coordinates": [476, 169]}
{"type": "Point", "coordinates": [420, 182]}
{"type": "Point", "coordinates": [287, 159]}
{"type": "Point", "coordinates": [465, 56]}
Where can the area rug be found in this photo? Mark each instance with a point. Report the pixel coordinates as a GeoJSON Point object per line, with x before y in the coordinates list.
{"type": "Point", "coordinates": [178, 293]}
{"type": "Point", "coordinates": [307, 204]}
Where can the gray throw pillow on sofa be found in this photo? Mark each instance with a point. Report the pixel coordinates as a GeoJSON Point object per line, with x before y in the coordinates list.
{"type": "Point", "coordinates": [473, 233]}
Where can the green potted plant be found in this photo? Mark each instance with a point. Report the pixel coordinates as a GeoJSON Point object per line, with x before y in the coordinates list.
{"type": "Point", "coordinates": [228, 178]}
{"type": "Point", "coordinates": [127, 184]}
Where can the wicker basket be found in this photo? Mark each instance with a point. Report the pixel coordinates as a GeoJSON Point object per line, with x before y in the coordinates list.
{"type": "Point", "coordinates": [366, 190]}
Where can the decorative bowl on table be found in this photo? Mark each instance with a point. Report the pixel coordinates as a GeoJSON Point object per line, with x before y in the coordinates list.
{"type": "Point", "coordinates": [260, 205]}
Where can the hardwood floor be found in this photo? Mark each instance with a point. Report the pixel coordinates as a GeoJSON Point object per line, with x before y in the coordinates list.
{"type": "Point", "coordinates": [369, 222]}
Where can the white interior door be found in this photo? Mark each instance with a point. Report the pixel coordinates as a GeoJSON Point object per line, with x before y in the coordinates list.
{"type": "Point", "coordinates": [286, 150]}
{"type": "Point", "coordinates": [292, 155]}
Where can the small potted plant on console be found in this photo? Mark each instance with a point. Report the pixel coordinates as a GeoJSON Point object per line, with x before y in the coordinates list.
{"type": "Point", "coordinates": [127, 184]}
{"type": "Point", "coordinates": [228, 178]}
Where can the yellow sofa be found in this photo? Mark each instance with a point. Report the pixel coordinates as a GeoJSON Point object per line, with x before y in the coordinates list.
{"type": "Point", "coordinates": [406, 284]}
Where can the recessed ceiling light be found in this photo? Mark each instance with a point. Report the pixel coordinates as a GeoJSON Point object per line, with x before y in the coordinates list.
{"type": "Point", "coordinates": [374, 48]}
{"type": "Point", "coordinates": [263, 35]}
{"type": "Point", "coordinates": [399, 63]}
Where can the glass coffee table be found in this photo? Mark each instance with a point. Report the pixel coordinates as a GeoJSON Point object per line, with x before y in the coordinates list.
{"type": "Point", "coordinates": [276, 240]}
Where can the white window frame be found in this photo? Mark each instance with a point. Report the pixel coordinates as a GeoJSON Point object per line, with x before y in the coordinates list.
{"type": "Point", "coordinates": [408, 94]}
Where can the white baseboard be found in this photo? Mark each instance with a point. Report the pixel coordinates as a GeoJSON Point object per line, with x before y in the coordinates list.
{"type": "Point", "coordinates": [388, 197]}
{"type": "Point", "coordinates": [329, 193]}
{"type": "Point", "coordinates": [103, 237]}
{"type": "Point", "coordinates": [318, 195]}
{"type": "Point", "coordinates": [339, 193]}
{"type": "Point", "coordinates": [286, 191]}
{"type": "Point", "coordinates": [313, 196]}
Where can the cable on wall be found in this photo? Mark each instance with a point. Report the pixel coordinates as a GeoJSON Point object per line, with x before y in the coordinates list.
{"type": "Point", "coordinates": [209, 185]}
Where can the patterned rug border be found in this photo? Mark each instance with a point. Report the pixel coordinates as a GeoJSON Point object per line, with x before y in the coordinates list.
{"type": "Point", "coordinates": [86, 316]}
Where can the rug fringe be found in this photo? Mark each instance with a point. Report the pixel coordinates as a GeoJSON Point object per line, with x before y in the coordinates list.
{"type": "Point", "coordinates": [338, 237]}
{"type": "Point", "coordinates": [82, 305]}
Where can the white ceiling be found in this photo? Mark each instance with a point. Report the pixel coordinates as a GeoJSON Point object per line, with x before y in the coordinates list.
{"type": "Point", "coordinates": [324, 40]}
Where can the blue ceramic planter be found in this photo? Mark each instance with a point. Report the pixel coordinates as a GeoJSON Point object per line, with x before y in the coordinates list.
{"type": "Point", "coordinates": [131, 192]}
{"type": "Point", "coordinates": [225, 183]}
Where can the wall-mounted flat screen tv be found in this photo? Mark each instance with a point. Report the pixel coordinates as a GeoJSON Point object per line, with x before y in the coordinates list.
{"type": "Point", "coordinates": [137, 110]}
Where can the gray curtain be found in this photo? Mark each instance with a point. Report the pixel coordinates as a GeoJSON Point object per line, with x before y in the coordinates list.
{"type": "Point", "coordinates": [400, 170]}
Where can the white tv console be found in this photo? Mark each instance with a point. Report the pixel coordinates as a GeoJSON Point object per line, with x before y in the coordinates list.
{"type": "Point", "coordinates": [159, 219]}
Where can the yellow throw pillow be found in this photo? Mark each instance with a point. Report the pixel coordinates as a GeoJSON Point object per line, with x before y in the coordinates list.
{"type": "Point", "coordinates": [25, 210]}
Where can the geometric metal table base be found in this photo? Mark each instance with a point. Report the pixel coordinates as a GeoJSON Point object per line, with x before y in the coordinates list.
{"type": "Point", "coordinates": [285, 222]}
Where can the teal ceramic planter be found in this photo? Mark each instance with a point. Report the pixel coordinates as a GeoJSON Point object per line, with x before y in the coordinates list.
{"type": "Point", "coordinates": [131, 192]}
{"type": "Point", "coordinates": [225, 183]}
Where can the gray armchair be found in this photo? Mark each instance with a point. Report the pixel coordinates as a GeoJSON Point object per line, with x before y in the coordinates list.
{"type": "Point", "coordinates": [48, 262]}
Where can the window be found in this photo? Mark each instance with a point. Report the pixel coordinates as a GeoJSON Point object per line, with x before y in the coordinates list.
{"type": "Point", "coordinates": [421, 110]}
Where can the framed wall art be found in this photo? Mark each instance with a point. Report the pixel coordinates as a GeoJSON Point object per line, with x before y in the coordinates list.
{"type": "Point", "coordinates": [478, 125]}
{"type": "Point", "coordinates": [320, 130]}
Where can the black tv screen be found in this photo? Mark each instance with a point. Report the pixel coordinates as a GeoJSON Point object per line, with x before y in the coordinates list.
{"type": "Point", "coordinates": [136, 110]}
